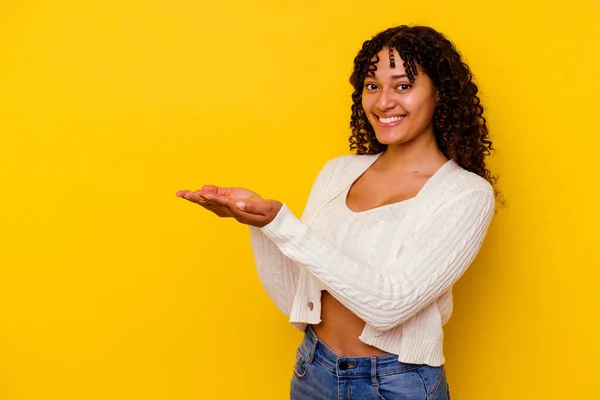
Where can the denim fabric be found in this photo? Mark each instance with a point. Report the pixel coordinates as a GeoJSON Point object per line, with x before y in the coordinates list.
{"type": "Point", "coordinates": [320, 374]}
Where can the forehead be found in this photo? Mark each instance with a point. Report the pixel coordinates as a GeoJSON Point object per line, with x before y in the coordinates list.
{"type": "Point", "coordinates": [387, 61]}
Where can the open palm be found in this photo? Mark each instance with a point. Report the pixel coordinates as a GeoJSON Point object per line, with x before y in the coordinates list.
{"type": "Point", "coordinates": [242, 204]}
{"type": "Point", "coordinates": [236, 193]}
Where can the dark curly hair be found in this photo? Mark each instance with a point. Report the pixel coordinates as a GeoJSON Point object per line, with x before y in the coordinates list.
{"type": "Point", "coordinates": [459, 125]}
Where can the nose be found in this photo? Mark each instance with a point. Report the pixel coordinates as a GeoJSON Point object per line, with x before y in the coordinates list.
{"type": "Point", "coordinates": [385, 100]}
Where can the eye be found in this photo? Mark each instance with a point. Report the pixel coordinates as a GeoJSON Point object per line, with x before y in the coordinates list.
{"type": "Point", "coordinates": [403, 86]}
{"type": "Point", "coordinates": [370, 86]}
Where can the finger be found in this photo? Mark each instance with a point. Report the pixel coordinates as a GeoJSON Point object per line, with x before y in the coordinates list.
{"type": "Point", "coordinates": [253, 213]}
{"type": "Point", "coordinates": [201, 197]}
{"type": "Point", "coordinates": [204, 202]}
{"type": "Point", "coordinates": [209, 188]}
{"type": "Point", "coordinates": [219, 211]}
{"type": "Point", "coordinates": [202, 193]}
{"type": "Point", "coordinates": [220, 202]}
{"type": "Point", "coordinates": [188, 195]}
{"type": "Point", "coordinates": [212, 196]}
{"type": "Point", "coordinates": [223, 191]}
{"type": "Point", "coordinates": [217, 199]}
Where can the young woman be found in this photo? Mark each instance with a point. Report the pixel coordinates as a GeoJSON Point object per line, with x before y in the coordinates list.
{"type": "Point", "coordinates": [367, 272]}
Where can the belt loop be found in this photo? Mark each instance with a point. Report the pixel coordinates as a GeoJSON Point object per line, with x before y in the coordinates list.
{"type": "Point", "coordinates": [374, 370]}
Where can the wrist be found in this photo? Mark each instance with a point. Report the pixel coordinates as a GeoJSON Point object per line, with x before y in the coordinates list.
{"type": "Point", "coordinates": [274, 210]}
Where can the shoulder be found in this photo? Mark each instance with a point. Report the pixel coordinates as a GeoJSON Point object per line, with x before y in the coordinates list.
{"type": "Point", "coordinates": [463, 180]}
{"type": "Point", "coordinates": [339, 170]}
{"type": "Point", "coordinates": [350, 159]}
{"type": "Point", "coordinates": [459, 184]}
{"type": "Point", "coordinates": [349, 162]}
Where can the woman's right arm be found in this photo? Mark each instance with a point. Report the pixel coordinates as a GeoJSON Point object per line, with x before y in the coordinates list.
{"type": "Point", "coordinates": [277, 273]}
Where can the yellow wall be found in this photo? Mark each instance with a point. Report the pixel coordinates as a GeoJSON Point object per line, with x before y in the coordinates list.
{"type": "Point", "coordinates": [112, 288]}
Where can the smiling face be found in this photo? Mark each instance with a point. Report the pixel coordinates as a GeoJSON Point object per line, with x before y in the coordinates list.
{"type": "Point", "coordinates": [400, 111]}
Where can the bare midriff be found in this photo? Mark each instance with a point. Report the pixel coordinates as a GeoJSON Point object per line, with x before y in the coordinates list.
{"type": "Point", "coordinates": [340, 328]}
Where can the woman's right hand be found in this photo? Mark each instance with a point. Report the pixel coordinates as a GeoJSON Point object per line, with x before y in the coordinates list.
{"type": "Point", "coordinates": [203, 198]}
{"type": "Point", "coordinates": [235, 193]}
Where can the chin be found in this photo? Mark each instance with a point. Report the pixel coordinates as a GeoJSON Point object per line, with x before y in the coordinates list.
{"type": "Point", "coordinates": [391, 139]}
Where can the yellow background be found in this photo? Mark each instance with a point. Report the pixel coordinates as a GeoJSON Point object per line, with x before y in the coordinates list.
{"type": "Point", "coordinates": [112, 288]}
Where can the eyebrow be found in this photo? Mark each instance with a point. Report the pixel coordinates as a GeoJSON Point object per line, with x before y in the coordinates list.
{"type": "Point", "coordinates": [393, 77]}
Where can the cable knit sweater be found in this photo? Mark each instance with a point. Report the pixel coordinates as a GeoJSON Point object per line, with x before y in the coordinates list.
{"type": "Point", "coordinates": [393, 266]}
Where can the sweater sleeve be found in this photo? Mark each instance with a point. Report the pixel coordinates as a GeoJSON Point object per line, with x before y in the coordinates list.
{"type": "Point", "coordinates": [278, 274]}
{"type": "Point", "coordinates": [436, 255]}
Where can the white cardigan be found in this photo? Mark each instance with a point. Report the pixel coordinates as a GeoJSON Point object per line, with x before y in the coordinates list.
{"type": "Point", "coordinates": [394, 266]}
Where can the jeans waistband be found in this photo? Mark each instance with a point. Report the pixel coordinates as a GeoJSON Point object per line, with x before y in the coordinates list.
{"type": "Point", "coordinates": [313, 349]}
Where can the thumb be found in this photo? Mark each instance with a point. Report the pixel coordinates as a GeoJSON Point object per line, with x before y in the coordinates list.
{"type": "Point", "coordinates": [254, 207]}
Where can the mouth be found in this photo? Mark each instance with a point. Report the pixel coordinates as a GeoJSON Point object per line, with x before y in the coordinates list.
{"type": "Point", "coordinates": [391, 120]}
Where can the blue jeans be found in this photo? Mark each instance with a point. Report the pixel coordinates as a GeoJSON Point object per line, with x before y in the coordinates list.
{"type": "Point", "coordinates": [320, 374]}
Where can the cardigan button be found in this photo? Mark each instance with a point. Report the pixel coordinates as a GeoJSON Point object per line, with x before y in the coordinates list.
{"type": "Point", "coordinates": [310, 305]}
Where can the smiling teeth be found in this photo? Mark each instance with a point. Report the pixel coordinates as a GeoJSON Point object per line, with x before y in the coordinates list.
{"type": "Point", "coordinates": [391, 119]}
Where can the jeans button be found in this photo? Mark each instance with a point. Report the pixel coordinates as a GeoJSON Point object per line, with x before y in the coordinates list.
{"type": "Point", "coordinates": [343, 365]}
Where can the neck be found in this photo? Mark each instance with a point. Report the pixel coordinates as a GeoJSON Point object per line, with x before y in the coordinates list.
{"type": "Point", "coordinates": [422, 154]}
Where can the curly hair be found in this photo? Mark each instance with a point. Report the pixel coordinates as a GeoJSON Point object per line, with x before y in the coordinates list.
{"type": "Point", "coordinates": [459, 125]}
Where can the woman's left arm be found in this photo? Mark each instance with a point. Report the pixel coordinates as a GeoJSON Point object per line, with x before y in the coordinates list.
{"type": "Point", "coordinates": [433, 259]}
